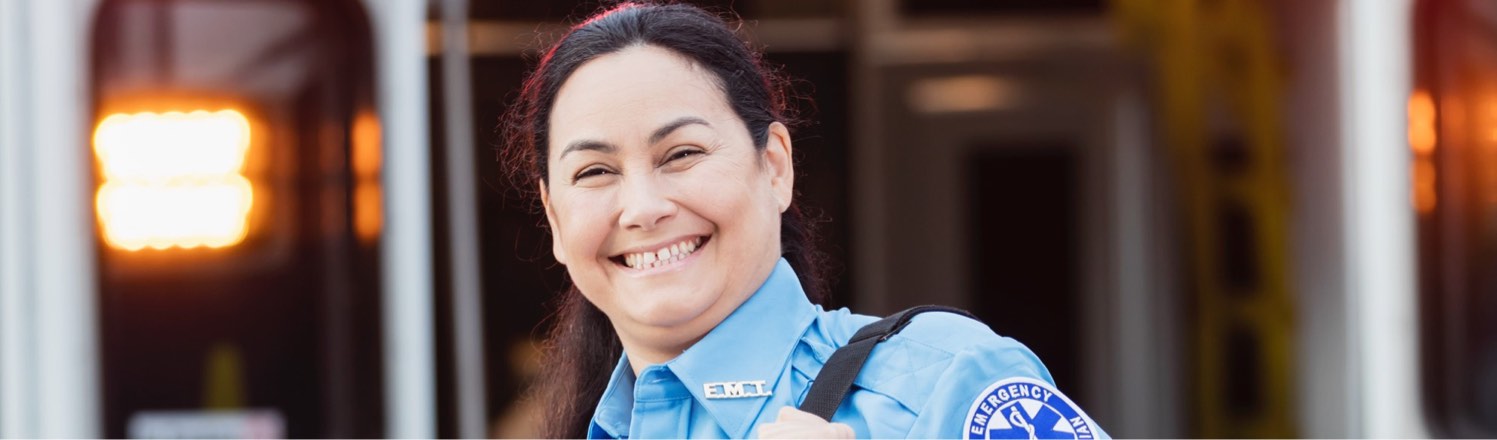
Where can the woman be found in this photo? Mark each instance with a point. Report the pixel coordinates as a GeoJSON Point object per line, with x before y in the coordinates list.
{"type": "Point", "coordinates": [655, 140]}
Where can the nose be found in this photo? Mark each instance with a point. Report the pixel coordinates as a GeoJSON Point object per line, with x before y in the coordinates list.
{"type": "Point", "coordinates": [644, 203]}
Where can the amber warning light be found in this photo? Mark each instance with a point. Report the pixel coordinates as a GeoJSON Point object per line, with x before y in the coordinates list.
{"type": "Point", "coordinates": [173, 179]}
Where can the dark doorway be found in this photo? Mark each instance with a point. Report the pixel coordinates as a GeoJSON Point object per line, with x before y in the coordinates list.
{"type": "Point", "coordinates": [1023, 220]}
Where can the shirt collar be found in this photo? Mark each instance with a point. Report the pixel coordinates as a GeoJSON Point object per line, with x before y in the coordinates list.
{"type": "Point", "coordinates": [752, 343]}
{"type": "Point", "coordinates": [611, 417]}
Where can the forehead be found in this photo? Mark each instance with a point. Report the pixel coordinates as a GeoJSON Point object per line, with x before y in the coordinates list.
{"type": "Point", "coordinates": [631, 92]}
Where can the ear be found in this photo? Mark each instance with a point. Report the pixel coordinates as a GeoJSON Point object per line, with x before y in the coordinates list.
{"type": "Point", "coordinates": [777, 156]}
{"type": "Point", "coordinates": [551, 220]}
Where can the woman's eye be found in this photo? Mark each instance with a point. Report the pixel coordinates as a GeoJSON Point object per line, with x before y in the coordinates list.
{"type": "Point", "coordinates": [683, 154]}
{"type": "Point", "coordinates": [590, 172]}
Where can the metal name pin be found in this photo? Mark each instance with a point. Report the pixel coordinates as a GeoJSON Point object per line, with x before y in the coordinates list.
{"type": "Point", "coordinates": [735, 390]}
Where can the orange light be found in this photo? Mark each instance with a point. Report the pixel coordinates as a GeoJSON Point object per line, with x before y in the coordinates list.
{"type": "Point", "coordinates": [1425, 196]}
{"type": "Point", "coordinates": [368, 199]}
{"type": "Point", "coordinates": [173, 179]}
{"type": "Point", "coordinates": [1422, 133]}
{"type": "Point", "coordinates": [965, 93]}
{"type": "Point", "coordinates": [1423, 138]}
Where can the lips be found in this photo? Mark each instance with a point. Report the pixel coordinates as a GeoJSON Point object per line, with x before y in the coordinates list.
{"type": "Point", "coordinates": [661, 256]}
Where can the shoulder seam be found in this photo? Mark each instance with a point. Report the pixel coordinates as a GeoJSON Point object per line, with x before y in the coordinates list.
{"type": "Point", "coordinates": [910, 340]}
{"type": "Point", "coordinates": [901, 335]}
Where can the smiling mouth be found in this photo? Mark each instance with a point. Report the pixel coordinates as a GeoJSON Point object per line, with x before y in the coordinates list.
{"type": "Point", "coordinates": [663, 256]}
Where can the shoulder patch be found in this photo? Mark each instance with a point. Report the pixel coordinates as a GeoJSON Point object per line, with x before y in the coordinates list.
{"type": "Point", "coordinates": [1022, 407]}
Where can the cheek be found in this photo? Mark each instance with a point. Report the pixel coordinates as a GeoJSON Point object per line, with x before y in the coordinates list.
{"type": "Point", "coordinates": [732, 197]}
{"type": "Point", "coordinates": [584, 224]}
{"type": "Point", "coordinates": [714, 193]}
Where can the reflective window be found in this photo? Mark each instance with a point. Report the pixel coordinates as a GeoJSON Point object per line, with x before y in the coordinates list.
{"type": "Point", "coordinates": [1453, 143]}
{"type": "Point", "coordinates": [236, 194]}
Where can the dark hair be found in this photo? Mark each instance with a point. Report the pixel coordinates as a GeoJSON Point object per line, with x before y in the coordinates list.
{"type": "Point", "coordinates": [582, 348]}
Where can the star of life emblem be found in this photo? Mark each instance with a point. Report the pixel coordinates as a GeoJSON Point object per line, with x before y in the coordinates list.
{"type": "Point", "coordinates": [1021, 407]}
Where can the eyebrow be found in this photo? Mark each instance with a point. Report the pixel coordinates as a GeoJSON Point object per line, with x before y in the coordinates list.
{"type": "Point", "coordinates": [665, 130]}
{"type": "Point", "coordinates": [599, 146]}
{"type": "Point", "coordinates": [657, 136]}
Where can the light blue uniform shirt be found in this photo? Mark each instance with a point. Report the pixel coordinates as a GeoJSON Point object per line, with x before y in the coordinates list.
{"type": "Point", "coordinates": [943, 376]}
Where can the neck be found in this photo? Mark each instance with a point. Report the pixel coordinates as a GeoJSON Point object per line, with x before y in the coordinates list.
{"type": "Point", "coordinates": [649, 345]}
{"type": "Point", "coordinates": [643, 353]}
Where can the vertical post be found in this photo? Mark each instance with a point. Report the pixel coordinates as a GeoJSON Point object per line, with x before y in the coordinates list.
{"type": "Point", "coordinates": [868, 168]}
{"type": "Point", "coordinates": [1141, 318]}
{"type": "Point", "coordinates": [15, 272]}
{"type": "Point", "coordinates": [1324, 404]}
{"type": "Point", "coordinates": [462, 218]}
{"type": "Point", "coordinates": [1374, 51]}
{"type": "Point", "coordinates": [400, 52]}
{"type": "Point", "coordinates": [64, 334]}
{"type": "Point", "coordinates": [60, 338]}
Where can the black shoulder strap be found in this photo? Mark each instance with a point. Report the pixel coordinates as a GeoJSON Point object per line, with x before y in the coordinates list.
{"type": "Point", "coordinates": [836, 377]}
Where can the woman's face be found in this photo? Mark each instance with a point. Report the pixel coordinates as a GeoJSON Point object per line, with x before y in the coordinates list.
{"type": "Point", "coordinates": [665, 215]}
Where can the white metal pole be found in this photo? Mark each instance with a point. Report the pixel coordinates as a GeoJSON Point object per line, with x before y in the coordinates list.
{"type": "Point", "coordinates": [1139, 315]}
{"type": "Point", "coordinates": [67, 385]}
{"type": "Point", "coordinates": [16, 416]}
{"type": "Point", "coordinates": [400, 52]}
{"type": "Point", "coordinates": [1312, 115]}
{"type": "Point", "coordinates": [462, 221]}
{"type": "Point", "coordinates": [1375, 76]}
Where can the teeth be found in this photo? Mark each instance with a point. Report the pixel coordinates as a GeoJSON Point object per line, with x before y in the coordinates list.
{"type": "Point", "coordinates": [666, 255]}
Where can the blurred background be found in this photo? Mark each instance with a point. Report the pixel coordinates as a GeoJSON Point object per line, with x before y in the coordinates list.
{"type": "Point", "coordinates": [1210, 218]}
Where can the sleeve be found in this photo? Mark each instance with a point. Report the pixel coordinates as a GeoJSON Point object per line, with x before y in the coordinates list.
{"type": "Point", "coordinates": [997, 388]}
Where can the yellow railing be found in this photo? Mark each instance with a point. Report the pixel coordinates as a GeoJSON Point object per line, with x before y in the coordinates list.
{"type": "Point", "coordinates": [1219, 85]}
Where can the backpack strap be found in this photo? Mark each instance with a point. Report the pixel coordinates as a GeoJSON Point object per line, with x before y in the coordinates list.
{"type": "Point", "coordinates": [835, 379]}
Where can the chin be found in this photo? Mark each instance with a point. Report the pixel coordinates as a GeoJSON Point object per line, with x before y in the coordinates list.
{"type": "Point", "coordinates": [668, 311]}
